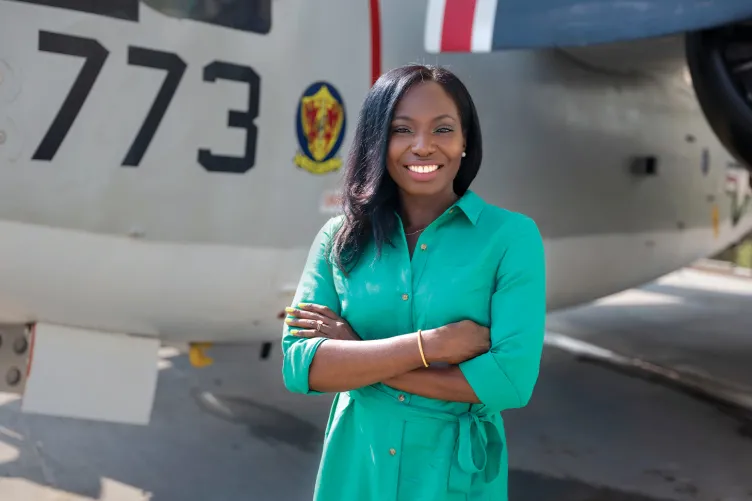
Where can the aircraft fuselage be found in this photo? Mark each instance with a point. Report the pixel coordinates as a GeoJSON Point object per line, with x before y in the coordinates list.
{"type": "Point", "coordinates": [156, 176]}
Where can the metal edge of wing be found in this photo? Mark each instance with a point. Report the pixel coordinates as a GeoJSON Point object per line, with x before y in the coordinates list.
{"type": "Point", "coordinates": [603, 26]}
{"type": "Point", "coordinates": [608, 22]}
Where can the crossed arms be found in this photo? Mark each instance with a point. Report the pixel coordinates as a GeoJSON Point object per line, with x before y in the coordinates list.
{"type": "Point", "coordinates": [501, 378]}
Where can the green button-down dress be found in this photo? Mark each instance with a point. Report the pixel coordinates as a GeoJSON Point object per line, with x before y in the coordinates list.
{"type": "Point", "coordinates": [477, 262]}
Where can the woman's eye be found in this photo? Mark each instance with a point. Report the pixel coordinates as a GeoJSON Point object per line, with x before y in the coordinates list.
{"type": "Point", "coordinates": [444, 130]}
{"type": "Point", "coordinates": [401, 130]}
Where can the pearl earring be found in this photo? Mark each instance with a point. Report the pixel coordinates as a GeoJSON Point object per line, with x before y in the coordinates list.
{"type": "Point", "coordinates": [464, 154]}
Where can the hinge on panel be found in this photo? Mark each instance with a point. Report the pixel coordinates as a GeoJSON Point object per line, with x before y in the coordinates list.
{"type": "Point", "coordinates": [14, 357]}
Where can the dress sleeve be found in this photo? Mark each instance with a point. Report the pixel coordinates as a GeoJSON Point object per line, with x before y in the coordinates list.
{"type": "Point", "coordinates": [316, 286]}
{"type": "Point", "coordinates": [504, 377]}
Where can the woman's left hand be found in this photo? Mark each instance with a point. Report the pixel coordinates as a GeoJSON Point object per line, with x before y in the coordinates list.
{"type": "Point", "coordinates": [316, 320]}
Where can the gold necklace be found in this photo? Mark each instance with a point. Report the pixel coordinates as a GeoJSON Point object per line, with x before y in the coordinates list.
{"type": "Point", "coordinates": [414, 232]}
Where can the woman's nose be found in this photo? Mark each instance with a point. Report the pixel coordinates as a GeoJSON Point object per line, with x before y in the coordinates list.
{"type": "Point", "coordinates": [422, 146]}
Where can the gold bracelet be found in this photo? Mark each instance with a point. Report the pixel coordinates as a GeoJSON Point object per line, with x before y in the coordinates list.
{"type": "Point", "coordinates": [420, 346]}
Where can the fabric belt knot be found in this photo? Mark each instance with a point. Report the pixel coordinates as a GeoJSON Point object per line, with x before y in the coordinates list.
{"type": "Point", "coordinates": [479, 447]}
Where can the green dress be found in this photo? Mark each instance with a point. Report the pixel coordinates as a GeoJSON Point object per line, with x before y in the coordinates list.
{"type": "Point", "coordinates": [476, 261]}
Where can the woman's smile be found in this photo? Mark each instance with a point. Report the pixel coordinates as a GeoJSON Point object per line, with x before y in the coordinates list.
{"type": "Point", "coordinates": [423, 172]}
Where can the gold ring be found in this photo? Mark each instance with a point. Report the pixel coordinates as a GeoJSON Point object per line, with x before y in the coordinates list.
{"type": "Point", "coordinates": [318, 325]}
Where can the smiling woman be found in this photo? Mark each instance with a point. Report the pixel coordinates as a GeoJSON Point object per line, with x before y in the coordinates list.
{"type": "Point", "coordinates": [427, 142]}
{"type": "Point", "coordinates": [422, 307]}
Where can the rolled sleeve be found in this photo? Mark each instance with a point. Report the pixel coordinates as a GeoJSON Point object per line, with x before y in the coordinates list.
{"type": "Point", "coordinates": [297, 363]}
{"type": "Point", "coordinates": [504, 377]}
{"type": "Point", "coordinates": [316, 285]}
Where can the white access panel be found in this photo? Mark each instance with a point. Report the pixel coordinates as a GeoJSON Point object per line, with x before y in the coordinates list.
{"type": "Point", "coordinates": [86, 374]}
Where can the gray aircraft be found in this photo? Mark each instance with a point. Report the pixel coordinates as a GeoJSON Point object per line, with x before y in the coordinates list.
{"type": "Point", "coordinates": [165, 164]}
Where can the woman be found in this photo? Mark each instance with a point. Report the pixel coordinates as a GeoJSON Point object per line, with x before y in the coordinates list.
{"type": "Point", "coordinates": [422, 306]}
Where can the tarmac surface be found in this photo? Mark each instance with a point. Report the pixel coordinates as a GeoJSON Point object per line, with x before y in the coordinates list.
{"type": "Point", "coordinates": [641, 398]}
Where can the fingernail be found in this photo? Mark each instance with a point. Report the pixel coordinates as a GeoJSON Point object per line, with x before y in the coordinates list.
{"type": "Point", "coordinates": [288, 320]}
{"type": "Point", "coordinates": [294, 332]}
{"type": "Point", "coordinates": [289, 309]}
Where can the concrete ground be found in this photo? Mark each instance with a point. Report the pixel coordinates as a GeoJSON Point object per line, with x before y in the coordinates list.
{"type": "Point", "coordinates": [591, 432]}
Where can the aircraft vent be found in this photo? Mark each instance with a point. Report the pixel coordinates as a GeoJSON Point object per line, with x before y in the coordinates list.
{"type": "Point", "coordinates": [720, 63]}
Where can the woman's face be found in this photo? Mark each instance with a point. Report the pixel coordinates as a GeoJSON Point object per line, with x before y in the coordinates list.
{"type": "Point", "coordinates": [426, 142]}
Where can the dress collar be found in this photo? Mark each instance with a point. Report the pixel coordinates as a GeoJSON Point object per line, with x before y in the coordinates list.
{"type": "Point", "coordinates": [471, 205]}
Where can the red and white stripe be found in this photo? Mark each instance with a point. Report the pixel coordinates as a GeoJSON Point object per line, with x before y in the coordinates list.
{"type": "Point", "coordinates": [460, 25]}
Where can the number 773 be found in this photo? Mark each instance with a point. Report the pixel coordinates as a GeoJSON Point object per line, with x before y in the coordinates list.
{"type": "Point", "coordinates": [95, 56]}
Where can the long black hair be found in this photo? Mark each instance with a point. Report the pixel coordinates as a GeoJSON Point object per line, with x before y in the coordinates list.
{"type": "Point", "coordinates": [370, 196]}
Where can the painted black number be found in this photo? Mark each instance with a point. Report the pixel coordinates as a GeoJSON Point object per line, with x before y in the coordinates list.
{"type": "Point", "coordinates": [239, 165]}
{"type": "Point", "coordinates": [95, 56]}
{"type": "Point", "coordinates": [175, 68]}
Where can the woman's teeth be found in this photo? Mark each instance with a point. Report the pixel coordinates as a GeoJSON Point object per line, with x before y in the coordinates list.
{"type": "Point", "coordinates": [423, 169]}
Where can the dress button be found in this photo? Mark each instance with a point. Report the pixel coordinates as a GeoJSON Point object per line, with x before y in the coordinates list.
{"type": "Point", "coordinates": [405, 297]}
{"type": "Point", "coordinates": [423, 247]}
{"type": "Point", "coordinates": [392, 452]}
{"type": "Point", "coordinates": [451, 210]}
{"type": "Point", "coordinates": [401, 398]}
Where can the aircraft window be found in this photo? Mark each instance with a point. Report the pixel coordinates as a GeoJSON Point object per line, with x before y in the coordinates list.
{"type": "Point", "coordinates": [254, 16]}
{"type": "Point", "coordinates": [122, 9]}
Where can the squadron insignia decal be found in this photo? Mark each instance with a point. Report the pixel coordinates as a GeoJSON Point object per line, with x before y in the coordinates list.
{"type": "Point", "coordinates": [320, 123]}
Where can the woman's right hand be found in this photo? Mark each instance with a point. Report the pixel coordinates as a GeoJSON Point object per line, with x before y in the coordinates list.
{"type": "Point", "coordinates": [457, 342]}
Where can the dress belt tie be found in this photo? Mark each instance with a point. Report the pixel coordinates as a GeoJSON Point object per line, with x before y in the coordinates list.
{"type": "Point", "coordinates": [479, 445]}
